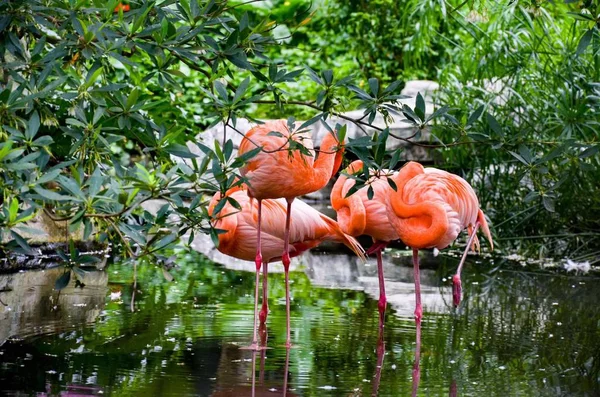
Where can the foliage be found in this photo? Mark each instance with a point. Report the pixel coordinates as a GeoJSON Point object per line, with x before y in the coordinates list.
{"type": "Point", "coordinates": [84, 83]}
{"type": "Point", "coordinates": [535, 127]}
{"type": "Point", "coordinates": [98, 101]}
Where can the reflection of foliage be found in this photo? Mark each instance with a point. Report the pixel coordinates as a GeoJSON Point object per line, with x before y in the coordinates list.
{"type": "Point", "coordinates": [501, 342]}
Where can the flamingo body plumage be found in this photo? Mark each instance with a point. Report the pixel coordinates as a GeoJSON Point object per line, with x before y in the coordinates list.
{"type": "Point", "coordinates": [429, 208]}
{"type": "Point", "coordinates": [308, 228]}
{"type": "Point", "coordinates": [278, 173]}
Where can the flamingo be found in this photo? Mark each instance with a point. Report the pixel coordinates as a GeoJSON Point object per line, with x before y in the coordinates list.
{"type": "Point", "coordinates": [358, 215]}
{"type": "Point", "coordinates": [240, 239]}
{"type": "Point", "coordinates": [428, 209]}
{"type": "Point", "coordinates": [283, 171]}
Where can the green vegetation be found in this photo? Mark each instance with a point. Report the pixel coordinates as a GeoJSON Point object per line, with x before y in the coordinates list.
{"type": "Point", "coordinates": [98, 101]}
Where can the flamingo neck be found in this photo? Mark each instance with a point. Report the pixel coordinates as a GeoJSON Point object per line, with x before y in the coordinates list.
{"type": "Point", "coordinates": [420, 225]}
{"type": "Point", "coordinates": [329, 160]}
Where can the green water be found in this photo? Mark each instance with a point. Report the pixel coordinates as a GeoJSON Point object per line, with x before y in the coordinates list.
{"type": "Point", "coordinates": [517, 333]}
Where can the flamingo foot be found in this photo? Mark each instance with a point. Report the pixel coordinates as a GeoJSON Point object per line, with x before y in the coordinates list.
{"type": "Point", "coordinates": [456, 290]}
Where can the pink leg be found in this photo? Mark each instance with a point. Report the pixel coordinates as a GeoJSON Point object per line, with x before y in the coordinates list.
{"type": "Point", "coordinates": [456, 283]}
{"type": "Point", "coordinates": [416, 373]}
{"type": "Point", "coordinates": [258, 263]}
{"type": "Point", "coordinates": [265, 303]}
{"type": "Point", "coordinates": [285, 258]}
{"type": "Point", "coordinates": [285, 371]}
{"type": "Point", "coordinates": [380, 357]}
{"type": "Point", "coordinates": [382, 298]}
{"type": "Point", "coordinates": [418, 308]}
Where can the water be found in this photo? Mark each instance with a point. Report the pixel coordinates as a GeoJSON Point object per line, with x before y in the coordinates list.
{"type": "Point", "coordinates": [517, 333]}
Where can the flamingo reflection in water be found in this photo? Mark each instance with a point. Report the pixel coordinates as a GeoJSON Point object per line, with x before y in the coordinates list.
{"type": "Point", "coordinates": [233, 382]}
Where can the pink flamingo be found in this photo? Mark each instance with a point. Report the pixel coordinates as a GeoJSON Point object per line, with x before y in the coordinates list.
{"type": "Point", "coordinates": [358, 215]}
{"type": "Point", "coordinates": [283, 171]}
{"type": "Point", "coordinates": [429, 208]}
{"type": "Point", "coordinates": [307, 230]}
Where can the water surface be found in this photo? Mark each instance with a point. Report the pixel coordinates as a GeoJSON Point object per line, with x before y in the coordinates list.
{"type": "Point", "coordinates": [517, 333]}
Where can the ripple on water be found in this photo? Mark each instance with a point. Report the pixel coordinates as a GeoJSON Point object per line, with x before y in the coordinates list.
{"type": "Point", "coordinates": [508, 337]}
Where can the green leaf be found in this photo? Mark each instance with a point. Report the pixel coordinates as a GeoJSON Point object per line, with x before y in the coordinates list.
{"type": "Point", "coordinates": [589, 152]}
{"type": "Point", "coordinates": [33, 125]}
{"type": "Point", "coordinates": [92, 76]}
{"type": "Point", "coordinates": [493, 123]}
{"type": "Point", "coordinates": [6, 148]}
{"type": "Point", "coordinates": [585, 40]}
{"type": "Point", "coordinates": [165, 241]}
{"type": "Point", "coordinates": [180, 151]}
{"type": "Point", "coordinates": [241, 90]}
{"type": "Point", "coordinates": [87, 229]}
{"type": "Point", "coordinates": [548, 203]}
{"type": "Point", "coordinates": [228, 149]}
{"type": "Point", "coordinates": [392, 184]}
{"type": "Point", "coordinates": [22, 242]}
{"type": "Point", "coordinates": [420, 106]}
{"type": "Point", "coordinates": [581, 16]}
{"type": "Point", "coordinates": [475, 115]}
{"type": "Point", "coordinates": [374, 86]}
{"type": "Point", "coordinates": [518, 157]}
{"type": "Point", "coordinates": [13, 210]}
{"type": "Point", "coordinates": [62, 281]}
{"type": "Point", "coordinates": [395, 158]}
{"type": "Point", "coordinates": [221, 90]}
{"type": "Point", "coordinates": [50, 195]}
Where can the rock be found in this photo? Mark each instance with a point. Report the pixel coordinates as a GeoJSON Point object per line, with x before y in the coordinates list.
{"type": "Point", "coordinates": [28, 301]}
{"type": "Point", "coordinates": [425, 87]}
{"type": "Point", "coordinates": [41, 230]}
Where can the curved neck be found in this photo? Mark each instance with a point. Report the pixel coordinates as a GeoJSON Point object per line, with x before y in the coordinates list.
{"type": "Point", "coordinates": [419, 225]}
{"type": "Point", "coordinates": [329, 160]}
{"type": "Point", "coordinates": [352, 216]}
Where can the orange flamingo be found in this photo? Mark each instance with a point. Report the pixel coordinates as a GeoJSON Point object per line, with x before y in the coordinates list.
{"type": "Point", "coordinates": [307, 230]}
{"type": "Point", "coordinates": [282, 171]}
{"type": "Point", "coordinates": [429, 208]}
{"type": "Point", "coordinates": [358, 215]}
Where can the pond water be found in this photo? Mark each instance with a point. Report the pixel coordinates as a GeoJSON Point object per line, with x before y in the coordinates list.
{"type": "Point", "coordinates": [517, 333]}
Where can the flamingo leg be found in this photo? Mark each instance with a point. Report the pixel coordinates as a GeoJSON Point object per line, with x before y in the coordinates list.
{"type": "Point", "coordinates": [379, 366]}
{"type": "Point", "coordinates": [382, 298]}
{"type": "Point", "coordinates": [254, 345]}
{"type": "Point", "coordinates": [258, 263]}
{"type": "Point", "coordinates": [264, 311]}
{"type": "Point", "coordinates": [416, 373]}
{"type": "Point", "coordinates": [456, 283]}
{"type": "Point", "coordinates": [418, 308]}
{"type": "Point", "coordinates": [286, 370]}
{"type": "Point", "coordinates": [285, 258]}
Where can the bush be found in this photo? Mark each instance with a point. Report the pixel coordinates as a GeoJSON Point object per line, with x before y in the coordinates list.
{"type": "Point", "coordinates": [535, 145]}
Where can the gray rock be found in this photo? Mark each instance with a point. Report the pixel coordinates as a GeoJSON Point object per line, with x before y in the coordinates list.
{"type": "Point", "coordinates": [28, 301]}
